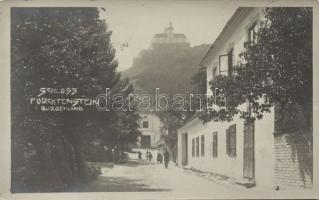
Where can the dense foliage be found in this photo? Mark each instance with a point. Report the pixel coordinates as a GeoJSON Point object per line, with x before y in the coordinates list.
{"type": "Point", "coordinates": [62, 48]}
{"type": "Point", "coordinates": [275, 70]}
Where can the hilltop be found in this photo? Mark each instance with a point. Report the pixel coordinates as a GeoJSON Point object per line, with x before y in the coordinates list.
{"type": "Point", "coordinates": [168, 67]}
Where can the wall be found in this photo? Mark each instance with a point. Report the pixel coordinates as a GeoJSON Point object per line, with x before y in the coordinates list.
{"type": "Point", "coordinates": [293, 154]}
{"type": "Point", "coordinates": [222, 164]}
{"type": "Point", "coordinates": [232, 166]}
{"type": "Point", "coordinates": [293, 148]}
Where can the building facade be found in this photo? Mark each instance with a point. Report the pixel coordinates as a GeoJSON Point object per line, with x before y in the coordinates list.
{"type": "Point", "coordinates": [251, 153]}
{"type": "Point", "coordinates": [150, 127]}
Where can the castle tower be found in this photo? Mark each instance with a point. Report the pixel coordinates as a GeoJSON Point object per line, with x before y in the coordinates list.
{"type": "Point", "coordinates": [169, 30]}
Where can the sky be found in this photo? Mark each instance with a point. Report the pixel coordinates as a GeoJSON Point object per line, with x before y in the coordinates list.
{"type": "Point", "coordinates": [135, 23]}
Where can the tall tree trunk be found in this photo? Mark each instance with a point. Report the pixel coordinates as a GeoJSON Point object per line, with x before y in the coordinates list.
{"type": "Point", "coordinates": [83, 172]}
{"type": "Point", "coordinates": [51, 179]}
{"type": "Point", "coordinates": [73, 130]}
{"type": "Point", "coordinates": [60, 160]}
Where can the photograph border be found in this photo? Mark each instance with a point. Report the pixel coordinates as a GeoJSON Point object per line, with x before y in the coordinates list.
{"type": "Point", "coordinates": [5, 118]}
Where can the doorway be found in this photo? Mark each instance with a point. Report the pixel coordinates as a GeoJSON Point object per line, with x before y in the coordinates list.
{"type": "Point", "coordinates": [249, 150]}
{"type": "Point", "coordinates": [146, 141]}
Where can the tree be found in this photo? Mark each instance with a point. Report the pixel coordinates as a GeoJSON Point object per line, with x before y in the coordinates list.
{"type": "Point", "coordinates": [171, 121]}
{"type": "Point", "coordinates": [276, 70]}
{"type": "Point", "coordinates": [199, 84]}
{"type": "Point", "coordinates": [127, 124]}
{"type": "Point", "coordinates": [58, 48]}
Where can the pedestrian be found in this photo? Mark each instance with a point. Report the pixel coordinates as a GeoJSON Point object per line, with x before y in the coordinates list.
{"type": "Point", "coordinates": [166, 158]}
{"type": "Point", "coordinates": [150, 156]}
{"type": "Point", "coordinates": [147, 155]}
{"type": "Point", "coordinates": [139, 155]}
{"type": "Point", "coordinates": [159, 157]}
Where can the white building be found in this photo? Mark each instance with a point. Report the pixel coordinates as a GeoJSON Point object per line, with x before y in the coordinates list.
{"type": "Point", "coordinates": [249, 152]}
{"type": "Point", "coordinates": [150, 126]}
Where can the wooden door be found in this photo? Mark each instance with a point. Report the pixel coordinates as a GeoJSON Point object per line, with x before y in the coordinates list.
{"type": "Point", "coordinates": [249, 150]}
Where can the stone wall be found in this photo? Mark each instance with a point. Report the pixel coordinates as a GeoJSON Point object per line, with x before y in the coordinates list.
{"type": "Point", "coordinates": [293, 160]}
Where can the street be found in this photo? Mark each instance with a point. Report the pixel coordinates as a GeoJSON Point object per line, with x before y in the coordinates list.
{"type": "Point", "coordinates": [140, 175]}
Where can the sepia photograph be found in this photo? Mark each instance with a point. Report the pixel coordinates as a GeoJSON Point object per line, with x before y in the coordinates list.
{"type": "Point", "coordinates": [161, 99]}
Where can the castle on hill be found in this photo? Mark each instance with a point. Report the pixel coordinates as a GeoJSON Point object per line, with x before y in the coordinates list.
{"type": "Point", "coordinates": [168, 37]}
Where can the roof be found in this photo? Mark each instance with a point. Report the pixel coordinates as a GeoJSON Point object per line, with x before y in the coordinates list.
{"type": "Point", "coordinates": [160, 35]}
{"type": "Point", "coordinates": [180, 35]}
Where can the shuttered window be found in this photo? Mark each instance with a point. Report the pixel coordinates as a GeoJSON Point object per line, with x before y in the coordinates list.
{"type": "Point", "coordinates": [215, 144]}
{"type": "Point", "coordinates": [231, 141]}
{"type": "Point", "coordinates": [202, 148]}
{"type": "Point", "coordinates": [197, 146]}
{"type": "Point", "coordinates": [193, 147]}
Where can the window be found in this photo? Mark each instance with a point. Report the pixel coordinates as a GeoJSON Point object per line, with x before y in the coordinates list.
{"type": "Point", "coordinates": [226, 63]}
{"type": "Point", "coordinates": [223, 65]}
{"type": "Point", "coordinates": [197, 146]}
{"type": "Point", "coordinates": [231, 141]}
{"type": "Point", "coordinates": [145, 124]}
{"type": "Point", "coordinates": [193, 147]}
{"type": "Point", "coordinates": [202, 148]}
{"type": "Point", "coordinates": [252, 34]}
{"type": "Point", "coordinates": [215, 144]}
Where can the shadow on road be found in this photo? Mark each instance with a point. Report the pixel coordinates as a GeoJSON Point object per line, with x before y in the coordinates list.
{"type": "Point", "coordinates": [135, 163]}
{"type": "Point", "coordinates": [119, 184]}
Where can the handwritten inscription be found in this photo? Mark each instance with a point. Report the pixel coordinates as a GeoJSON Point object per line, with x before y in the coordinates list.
{"type": "Point", "coordinates": [66, 91]}
{"type": "Point", "coordinates": [62, 99]}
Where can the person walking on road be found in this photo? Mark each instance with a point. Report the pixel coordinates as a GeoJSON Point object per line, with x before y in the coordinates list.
{"type": "Point", "coordinates": [166, 158]}
{"type": "Point", "coordinates": [150, 156]}
{"type": "Point", "coordinates": [147, 155]}
{"type": "Point", "coordinates": [139, 155]}
{"type": "Point", "coordinates": [159, 157]}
